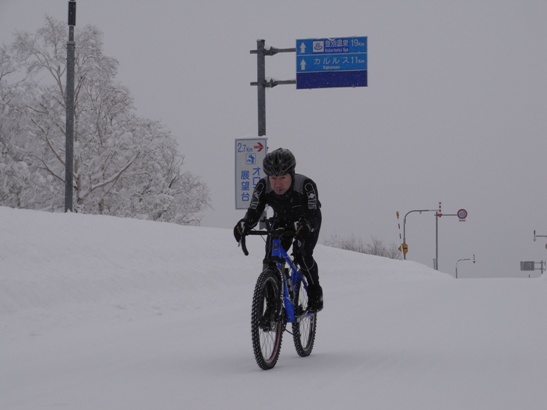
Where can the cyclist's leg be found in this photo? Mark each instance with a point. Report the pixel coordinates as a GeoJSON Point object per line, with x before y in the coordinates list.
{"type": "Point", "coordinates": [303, 253]}
{"type": "Point", "coordinates": [273, 300]}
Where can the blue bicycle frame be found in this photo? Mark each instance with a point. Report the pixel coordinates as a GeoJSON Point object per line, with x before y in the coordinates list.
{"type": "Point", "coordinates": [280, 256]}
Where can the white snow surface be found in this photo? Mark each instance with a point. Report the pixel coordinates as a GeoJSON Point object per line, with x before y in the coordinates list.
{"type": "Point", "coordinates": [102, 313]}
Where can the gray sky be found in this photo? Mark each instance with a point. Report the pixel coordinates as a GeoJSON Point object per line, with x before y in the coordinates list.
{"type": "Point", "coordinates": [455, 110]}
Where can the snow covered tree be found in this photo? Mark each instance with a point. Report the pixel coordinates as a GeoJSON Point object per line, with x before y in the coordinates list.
{"type": "Point", "coordinates": [124, 165]}
{"type": "Point", "coordinates": [18, 182]}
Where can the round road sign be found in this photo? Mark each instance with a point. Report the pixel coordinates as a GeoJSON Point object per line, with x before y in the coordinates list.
{"type": "Point", "coordinates": [462, 214]}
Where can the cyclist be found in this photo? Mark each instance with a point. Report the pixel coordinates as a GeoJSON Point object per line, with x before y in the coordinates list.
{"type": "Point", "coordinates": [293, 198]}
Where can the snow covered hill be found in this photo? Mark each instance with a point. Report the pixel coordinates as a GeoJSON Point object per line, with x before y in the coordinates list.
{"type": "Point", "coordinates": [107, 313]}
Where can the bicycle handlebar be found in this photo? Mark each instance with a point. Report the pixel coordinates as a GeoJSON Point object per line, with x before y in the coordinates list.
{"type": "Point", "coordinates": [269, 230]}
{"type": "Point", "coordinates": [243, 243]}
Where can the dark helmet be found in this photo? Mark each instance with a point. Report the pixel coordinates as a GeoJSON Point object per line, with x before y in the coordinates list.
{"type": "Point", "coordinates": [279, 162]}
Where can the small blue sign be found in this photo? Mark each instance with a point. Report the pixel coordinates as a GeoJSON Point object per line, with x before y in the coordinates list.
{"type": "Point", "coordinates": [331, 62]}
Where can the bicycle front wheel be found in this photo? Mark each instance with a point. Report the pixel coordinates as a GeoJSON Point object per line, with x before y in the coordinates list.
{"type": "Point", "coordinates": [303, 330]}
{"type": "Point", "coordinates": [267, 321]}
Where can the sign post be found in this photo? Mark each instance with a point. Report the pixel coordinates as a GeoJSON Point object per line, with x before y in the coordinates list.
{"type": "Point", "coordinates": [249, 154]}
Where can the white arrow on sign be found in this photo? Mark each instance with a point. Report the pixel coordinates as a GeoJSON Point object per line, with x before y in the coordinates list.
{"type": "Point", "coordinates": [303, 48]}
{"type": "Point", "coordinates": [303, 65]}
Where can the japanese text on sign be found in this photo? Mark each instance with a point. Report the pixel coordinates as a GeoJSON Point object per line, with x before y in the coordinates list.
{"type": "Point", "coordinates": [331, 62]}
{"type": "Point", "coordinates": [249, 154]}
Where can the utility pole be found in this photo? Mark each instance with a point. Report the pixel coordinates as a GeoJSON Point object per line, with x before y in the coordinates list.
{"type": "Point", "coordinates": [69, 146]}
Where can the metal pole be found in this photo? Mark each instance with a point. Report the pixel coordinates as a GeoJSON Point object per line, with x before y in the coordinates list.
{"type": "Point", "coordinates": [69, 154]}
{"type": "Point", "coordinates": [404, 234]}
{"type": "Point", "coordinates": [437, 241]}
{"type": "Point", "coordinates": [261, 82]}
{"type": "Point", "coordinates": [260, 86]}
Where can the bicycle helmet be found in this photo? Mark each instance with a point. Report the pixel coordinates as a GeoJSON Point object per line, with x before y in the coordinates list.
{"type": "Point", "coordinates": [279, 162]}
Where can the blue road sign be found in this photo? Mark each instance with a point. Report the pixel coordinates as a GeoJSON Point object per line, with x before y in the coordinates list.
{"type": "Point", "coordinates": [331, 62]}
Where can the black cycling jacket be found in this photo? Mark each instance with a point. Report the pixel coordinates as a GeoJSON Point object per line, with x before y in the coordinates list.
{"type": "Point", "coordinates": [301, 201]}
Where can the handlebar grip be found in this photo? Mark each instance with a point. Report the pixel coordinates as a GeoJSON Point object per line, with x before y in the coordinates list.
{"type": "Point", "coordinates": [244, 245]}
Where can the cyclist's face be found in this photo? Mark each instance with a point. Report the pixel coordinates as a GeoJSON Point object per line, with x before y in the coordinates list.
{"type": "Point", "coordinates": [281, 184]}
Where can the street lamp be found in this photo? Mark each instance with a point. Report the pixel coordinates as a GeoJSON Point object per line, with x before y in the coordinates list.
{"type": "Point", "coordinates": [404, 225]}
{"type": "Point", "coordinates": [465, 259]}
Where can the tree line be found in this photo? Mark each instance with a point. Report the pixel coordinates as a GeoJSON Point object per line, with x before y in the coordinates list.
{"type": "Point", "coordinates": [375, 247]}
{"type": "Point", "coordinates": [124, 165]}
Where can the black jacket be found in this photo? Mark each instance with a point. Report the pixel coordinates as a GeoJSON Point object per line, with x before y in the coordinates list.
{"type": "Point", "coordinates": [301, 201]}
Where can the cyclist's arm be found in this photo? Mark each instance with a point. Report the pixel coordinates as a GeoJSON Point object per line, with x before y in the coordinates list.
{"type": "Point", "coordinates": [313, 206]}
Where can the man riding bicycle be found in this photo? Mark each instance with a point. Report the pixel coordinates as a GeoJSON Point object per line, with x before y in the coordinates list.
{"type": "Point", "coordinates": [293, 198]}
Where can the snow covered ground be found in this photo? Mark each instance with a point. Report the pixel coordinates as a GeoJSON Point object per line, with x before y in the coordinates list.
{"type": "Point", "coordinates": [108, 313]}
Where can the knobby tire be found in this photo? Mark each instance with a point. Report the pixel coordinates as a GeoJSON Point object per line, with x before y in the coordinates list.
{"type": "Point", "coordinates": [267, 341]}
{"type": "Point", "coordinates": [303, 331]}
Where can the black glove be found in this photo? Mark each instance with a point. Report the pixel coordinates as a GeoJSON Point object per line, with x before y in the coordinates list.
{"type": "Point", "coordinates": [240, 229]}
{"type": "Point", "coordinates": [303, 227]}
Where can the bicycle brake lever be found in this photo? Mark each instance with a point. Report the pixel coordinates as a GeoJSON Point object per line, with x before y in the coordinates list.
{"type": "Point", "coordinates": [243, 245]}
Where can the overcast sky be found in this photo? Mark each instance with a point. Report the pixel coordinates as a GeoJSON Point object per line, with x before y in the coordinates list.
{"type": "Point", "coordinates": [455, 110]}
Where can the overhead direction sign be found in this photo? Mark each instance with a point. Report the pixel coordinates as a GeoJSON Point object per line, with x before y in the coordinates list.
{"type": "Point", "coordinates": [331, 62]}
{"type": "Point", "coordinates": [249, 154]}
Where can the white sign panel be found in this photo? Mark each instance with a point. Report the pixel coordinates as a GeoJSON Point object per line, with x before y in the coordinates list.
{"type": "Point", "coordinates": [249, 154]}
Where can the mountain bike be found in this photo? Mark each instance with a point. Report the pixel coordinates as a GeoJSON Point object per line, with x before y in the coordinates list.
{"type": "Point", "coordinates": [280, 297]}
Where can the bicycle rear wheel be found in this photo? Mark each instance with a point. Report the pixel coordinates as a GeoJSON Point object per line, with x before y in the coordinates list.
{"type": "Point", "coordinates": [267, 331]}
{"type": "Point", "coordinates": [303, 330]}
